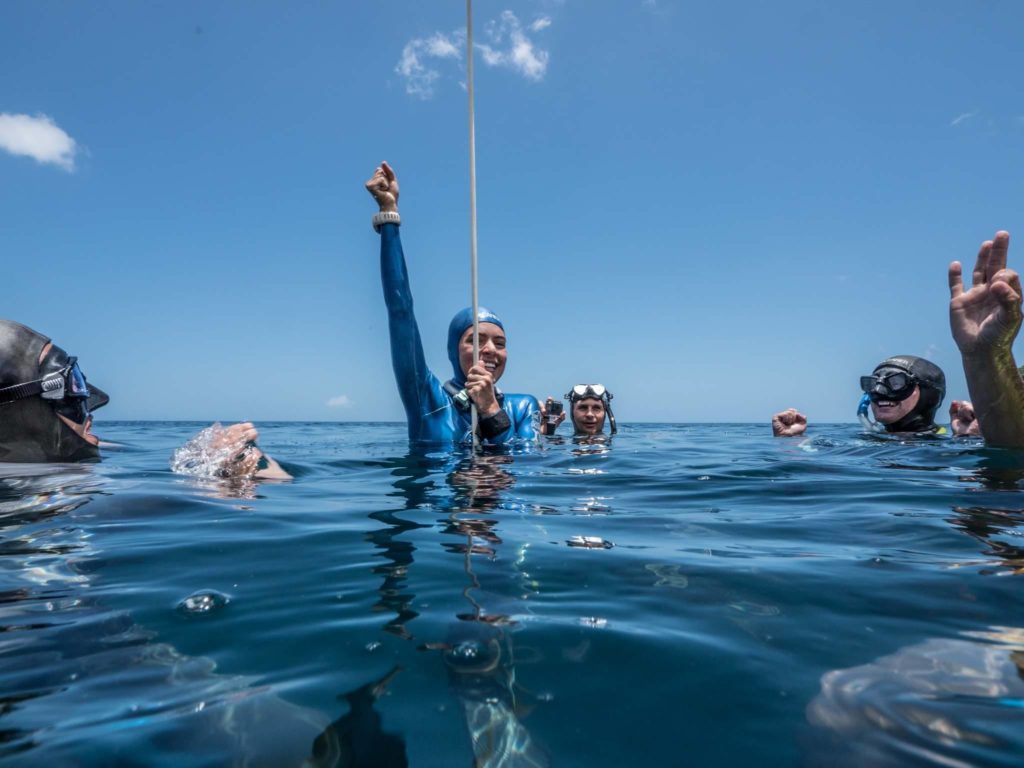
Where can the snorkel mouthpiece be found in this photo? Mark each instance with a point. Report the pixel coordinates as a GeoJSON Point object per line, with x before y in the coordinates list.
{"type": "Point", "coordinates": [863, 409]}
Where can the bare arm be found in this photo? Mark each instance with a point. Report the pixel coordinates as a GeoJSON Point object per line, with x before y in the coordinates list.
{"type": "Point", "coordinates": [985, 321]}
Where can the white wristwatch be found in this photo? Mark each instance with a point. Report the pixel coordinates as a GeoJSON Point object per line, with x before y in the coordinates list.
{"type": "Point", "coordinates": [385, 217]}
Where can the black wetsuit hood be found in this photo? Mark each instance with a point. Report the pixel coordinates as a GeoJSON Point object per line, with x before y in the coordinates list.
{"type": "Point", "coordinates": [29, 428]}
{"type": "Point", "coordinates": [932, 382]}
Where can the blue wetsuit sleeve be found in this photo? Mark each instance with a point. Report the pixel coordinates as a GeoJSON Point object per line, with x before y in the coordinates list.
{"type": "Point", "coordinates": [411, 373]}
{"type": "Point", "coordinates": [526, 425]}
{"type": "Point", "coordinates": [521, 410]}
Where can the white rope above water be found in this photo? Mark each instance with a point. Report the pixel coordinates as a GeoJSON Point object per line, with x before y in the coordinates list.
{"type": "Point", "coordinates": [472, 205]}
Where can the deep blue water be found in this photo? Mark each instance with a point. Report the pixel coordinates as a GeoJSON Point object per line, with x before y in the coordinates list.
{"type": "Point", "coordinates": [688, 595]}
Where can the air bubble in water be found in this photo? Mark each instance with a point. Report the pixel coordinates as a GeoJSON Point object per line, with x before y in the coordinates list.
{"type": "Point", "coordinates": [203, 602]}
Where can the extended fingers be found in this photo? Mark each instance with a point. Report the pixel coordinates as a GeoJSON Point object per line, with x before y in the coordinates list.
{"type": "Point", "coordinates": [998, 253]}
{"type": "Point", "coordinates": [956, 280]}
{"type": "Point", "coordinates": [980, 273]}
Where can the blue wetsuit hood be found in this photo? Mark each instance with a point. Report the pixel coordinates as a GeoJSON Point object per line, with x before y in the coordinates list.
{"type": "Point", "coordinates": [464, 319]}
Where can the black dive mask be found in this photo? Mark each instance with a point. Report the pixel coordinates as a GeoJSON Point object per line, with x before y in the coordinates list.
{"type": "Point", "coordinates": [33, 392]}
{"type": "Point", "coordinates": [895, 379]}
{"type": "Point", "coordinates": [888, 384]}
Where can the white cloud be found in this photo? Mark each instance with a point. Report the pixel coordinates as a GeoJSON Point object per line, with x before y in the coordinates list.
{"type": "Point", "coordinates": [960, 118]}
{"type": "Point", "coordinates": [513, 49]}
{"type": "Point", "coordinates": [39, 138]}
{"type": "Point", "coordinates": [420, 78]}
{"type": "Point", "coordinates": [340, 401]}
{"type": "Point", "coordinates": [508, 46]}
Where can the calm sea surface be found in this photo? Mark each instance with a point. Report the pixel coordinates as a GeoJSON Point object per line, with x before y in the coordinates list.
{"type": "Point", "coordinates": [699, 595]}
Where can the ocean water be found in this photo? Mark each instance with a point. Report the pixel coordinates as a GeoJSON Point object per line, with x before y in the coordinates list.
{"type": "Point", "coordinates": [698, 595]}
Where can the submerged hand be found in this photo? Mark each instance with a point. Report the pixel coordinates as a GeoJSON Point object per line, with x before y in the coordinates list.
{"type": "Point", "coordinates": [962, 419]}
{"type": "Point", "coordinates": [986, 318]}
{"type": "Point", "coordinates": [239, 456]}
{"type": "Point", "coordinates": [383, 186]}
{"type": "Point", "coordinates": [789, 423]}
{"type": "Point", "coordinates": [480, 387]}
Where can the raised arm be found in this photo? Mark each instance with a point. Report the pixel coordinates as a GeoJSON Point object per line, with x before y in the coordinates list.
{"type": "Point", "coordinates": [407, 359]}
{"type": "Point", "coordinates": [985, 321]}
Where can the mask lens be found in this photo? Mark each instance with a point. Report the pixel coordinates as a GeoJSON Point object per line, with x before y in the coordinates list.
{"type": "Point", "coordinates": [75, 385]}
{"type": "Point", "coordinates": [579, 390]}
{"type": "Point", "coordinates": [597, 389]}
{"type": "Point", "coordinates": [897, 382]}
{"type": "Point", "coordinates": [888, 386]}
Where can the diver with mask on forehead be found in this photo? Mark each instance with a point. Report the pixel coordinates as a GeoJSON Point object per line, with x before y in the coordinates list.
{"type": "Point", "coordinates": [439, 412]}
{"type": "Point", "coordinates": [589, 407]}
{"type": "Point", "coordinates": [903, 394]}
{"type": "Point", "coordinates": [46, 407]}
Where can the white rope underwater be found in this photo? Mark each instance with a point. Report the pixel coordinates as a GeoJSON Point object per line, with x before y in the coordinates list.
{"type": "Point", "coordinates": [472, 205]}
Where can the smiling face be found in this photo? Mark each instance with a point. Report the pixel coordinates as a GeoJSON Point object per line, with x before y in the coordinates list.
{"type": "Point", "coordinates": [492, 349]}
{"type": "Point", "coordinates": [588, 416]}
{"type": "Point", "coordinates": [889, 411]}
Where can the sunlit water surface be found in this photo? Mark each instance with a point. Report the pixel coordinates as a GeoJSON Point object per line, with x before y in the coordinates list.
{"type": "Point", "coordinates": [687, 595]}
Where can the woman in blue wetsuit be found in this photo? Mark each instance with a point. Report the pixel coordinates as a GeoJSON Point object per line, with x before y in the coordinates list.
{"type": "Point", "coordinates": [437, 411]}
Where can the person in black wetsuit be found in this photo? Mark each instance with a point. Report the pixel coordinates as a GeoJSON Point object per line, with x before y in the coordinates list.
{"type": "Point", "coordinates": [903, 394]}
{"type": "Point", "coordinates": [436, 411]}
{"type": "Point", "coordinates": [46, 407]}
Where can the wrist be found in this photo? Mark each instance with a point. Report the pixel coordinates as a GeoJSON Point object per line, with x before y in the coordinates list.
{"type": "Point", "coordinates": [486, 410]}
{"type": "Point", "coordinates": [385, 217]}
{"type": "Point", "coordinates": [987, 356]}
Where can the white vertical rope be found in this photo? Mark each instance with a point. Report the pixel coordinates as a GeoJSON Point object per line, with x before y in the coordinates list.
{"type": "Point", "coordinates": [472, 202]}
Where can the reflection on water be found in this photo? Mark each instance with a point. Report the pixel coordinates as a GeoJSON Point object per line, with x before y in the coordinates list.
{"type": "Point", "coordinates": [358, 739]}
{"type": "Point", "coordinates": [479, 651]}
{"type": "Point", "coordinates": [987, 525]}
{"type": "Point", "coordinates": [941, 702]}
{"type": "Point", "coordinates": [759, 599]}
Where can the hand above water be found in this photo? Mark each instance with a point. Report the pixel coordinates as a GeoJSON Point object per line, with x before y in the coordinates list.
{"type": "Point", "coordinates": [985, 319]}
{"type": "Point", "coordinates": [480, 387]}
{"type": "Point", "coordinates": [789, 423]}
{"type": "Point", "coordinates": [226, 452]}
{"type": "Point", "coordinates": [962, 420]}
{"type": "Point", "coordinates": [383, 187]}
{"type": "Point", "coordinates": [242, 457]}
{"type": "Point", "coordinates": [545, 428]}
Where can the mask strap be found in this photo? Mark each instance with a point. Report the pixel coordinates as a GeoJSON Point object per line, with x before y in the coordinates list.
{"type": "Point", "coordinates": [51, 384]}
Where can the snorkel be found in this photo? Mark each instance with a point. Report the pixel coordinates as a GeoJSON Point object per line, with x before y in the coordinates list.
{"type": "Point", "coordinates": [863, 414]}
{"type": "Point", "coordinates": [893, 381]}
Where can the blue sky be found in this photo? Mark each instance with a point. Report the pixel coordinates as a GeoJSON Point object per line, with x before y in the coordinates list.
{"type": "Point", "coordinates": [717, 210]}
